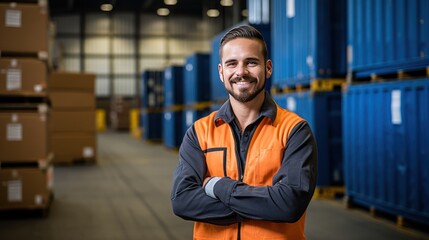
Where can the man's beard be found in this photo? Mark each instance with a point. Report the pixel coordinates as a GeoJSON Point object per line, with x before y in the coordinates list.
{"type": "Point", "coordinates": [245, 95]}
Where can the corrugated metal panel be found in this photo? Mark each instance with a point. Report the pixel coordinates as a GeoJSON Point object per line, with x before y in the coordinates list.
{"type": "Point", "coordinates": [97, 45]}
{"type": "Point", "coordinates": [124, 86]}
{"type": "Point", "coordinates": [385, 146]}
{"type": "Point", "coordinates": [152, 25]}
{"type": "Point", "coordinates": [124, 66]}
{"type": "Point", "coordinates": [67, 24]}
{"type": "Point", "coordinates": [309, 41]}
{"type": "Point", "coordinates": [218, 92]}
{"type": "Point", "coordinates": [385, 36]}
{"type": "Point", "coordinates": [259, 11]}
{"type": "Point", "coordinates": [123, 23]}
{"type": "Point", "coordinates": [153, 45]}
{"type": "Point", "coordinates": [173, 86]}
{"type": "Point", "coordinates": [97, 24]}
{"type": "Point", "coordinates": [97, 65]}
{"type": "Point", "coordinates": [102, 86]}
{"type": "Point", "coordinates": [322, 110]}
{"type": "Point", "coordinates": [196, 78]}
{"type": "Point", "coordinates": [123, 45]}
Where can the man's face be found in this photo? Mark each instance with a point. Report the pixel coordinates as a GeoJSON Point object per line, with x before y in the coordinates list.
{"type": "Point", "coordinates": [243, 68]}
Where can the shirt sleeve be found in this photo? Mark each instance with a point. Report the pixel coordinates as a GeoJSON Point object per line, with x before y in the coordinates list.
{"type": "Point", "coordinates": [188, 197]}
{"type": "Point", "coordinates": [293, 186]}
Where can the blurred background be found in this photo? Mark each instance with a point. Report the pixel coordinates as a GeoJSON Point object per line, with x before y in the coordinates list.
{"type": "Point", "coordinates": [95, 97]}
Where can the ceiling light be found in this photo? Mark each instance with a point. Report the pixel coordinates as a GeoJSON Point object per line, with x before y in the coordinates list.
{"type": "Point", "coordinates": [213, 13]}
{"type": "Point", "coordinates": [106, 7]}
{"type": "Point", "coordinates": [163, 11]}
{"type": "Point", "coordinates": [226, 3]}
{"type": "Point", "coordinates": [244, 13]}
{"type": "Point", "coordinates": [170, 2]}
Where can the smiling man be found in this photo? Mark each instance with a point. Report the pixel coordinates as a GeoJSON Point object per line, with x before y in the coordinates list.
{"type": "Point", "coordinates": [247, 171]}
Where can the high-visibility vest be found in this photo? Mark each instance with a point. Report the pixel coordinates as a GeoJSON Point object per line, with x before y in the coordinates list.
{"type": "Point", "coordinates": [264, 159]}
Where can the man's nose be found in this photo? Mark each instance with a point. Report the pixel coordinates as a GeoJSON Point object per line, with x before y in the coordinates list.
{"type": "Point", "coordinates": [241, 70]}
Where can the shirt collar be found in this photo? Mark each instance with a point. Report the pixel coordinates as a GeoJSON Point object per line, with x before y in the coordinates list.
{"type": "Point", "coordinates": [268, 109]}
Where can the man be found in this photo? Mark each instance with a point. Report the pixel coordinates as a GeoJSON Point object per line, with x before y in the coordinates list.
{"type": "Point", "coordinates": [247, 171]}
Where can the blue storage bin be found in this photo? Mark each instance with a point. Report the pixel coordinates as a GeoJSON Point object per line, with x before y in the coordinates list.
{"type": "Point", "coordinates": [218, 92]}
{"type": "Point", "coordinates": [308, 41]}
{"type": "Point", "coordinates": [386, 147]}
{"type": "Point", "coordinates": [322, 110]}
{"type": "Point", "coordinates": [173, 128]}
{"type": "Point", "coordinates": [151, 124]}
{"type": "Point", "coordinates": [386, 36]}
{"type": "Point", "coordinates": [152, 93]}
{"type": "Point", "coordinates": [191, 115]}
{"type": "Point", "coordinates": [196, 78]}
{"type": "Point", "coordinates": [173, 85]}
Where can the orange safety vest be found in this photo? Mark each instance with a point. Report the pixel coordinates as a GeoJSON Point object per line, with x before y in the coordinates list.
{"type": "Point", "coordinates": [264, 159]}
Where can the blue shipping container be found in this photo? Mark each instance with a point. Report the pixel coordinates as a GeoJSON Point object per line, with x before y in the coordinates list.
{"type": "Point", "coordinates": [218, 92]}
{"type": "Point", "coordinates": [386, 147]}
{"type": "Point", "coordinates": [322, 110]}
{"type": "Point", "coordinates": [385, 36]}
{"type": "Point", "coordinates": [151, 123]}
{"type": "Point", "coordinates": [191, 115]}
{"type": "Point", "coordinates": [173, 85]}
{"type": "Point", "coordinates": [152, 93]}
{"type": "Point", "coordinates": [173, 128]}
{"type": "Point", "coordinates": [308, 41]}
{"type": "Point", "coordinates": [196, 78]}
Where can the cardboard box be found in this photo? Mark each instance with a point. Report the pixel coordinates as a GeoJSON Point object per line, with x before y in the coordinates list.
{"type": "Point", "coordinates": [25, 188]}
{"type": "Point", "coordinates": [81, 82]}
{"type": "Point", "coordinates": [72, 100]}
{"type": "Point", "coordinates": [24, 28]}
{"type": "Point", "coordinates": [69, 147]}
{"type": "Point", "coordinates": [22, 75]}
{"type": "Point", "coordinates": [120, 121]}
{"type": "Point", "coordinates": [23, 136]}
{"type": "Point", "coordinates": [72, 121]}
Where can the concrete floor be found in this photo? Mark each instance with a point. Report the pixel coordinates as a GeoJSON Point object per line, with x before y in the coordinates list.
{"type": "Point", "coordinates": [127, 196]}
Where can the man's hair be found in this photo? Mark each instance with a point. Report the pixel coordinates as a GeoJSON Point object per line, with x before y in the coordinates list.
{"type": "Point", "coordinates": [244, 31]}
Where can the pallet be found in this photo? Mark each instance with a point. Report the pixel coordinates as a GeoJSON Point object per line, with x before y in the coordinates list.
{"type": "Point", "coordinates": [330, 192]}
{"type": "Point", "coordinates": [41, 55]}
{"type": "Point", "coordinates": [75, 162]}
{"type": "Point", "coordinates": [384, 76]}
{"type": "Point", "coordinates": [398, 219]}
{"type": "Point", "coordinates": [316, 85]}
{"type": "Point", "coordinates": [27, 212]}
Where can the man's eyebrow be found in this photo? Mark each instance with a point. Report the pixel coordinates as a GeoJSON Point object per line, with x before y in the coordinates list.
{"type": "Point", "coordinates": [230, 60]}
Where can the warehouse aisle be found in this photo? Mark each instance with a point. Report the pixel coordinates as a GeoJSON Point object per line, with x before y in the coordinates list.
{"type": "Point", "coordinates": [127, 196]}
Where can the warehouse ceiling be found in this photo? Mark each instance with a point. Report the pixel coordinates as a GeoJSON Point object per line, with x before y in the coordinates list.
{"type": "Point", "coordinates": [182, 7]}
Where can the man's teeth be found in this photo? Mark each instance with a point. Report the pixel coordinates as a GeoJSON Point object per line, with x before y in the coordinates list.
{"type": "Point", "coordinates": [241, 83]}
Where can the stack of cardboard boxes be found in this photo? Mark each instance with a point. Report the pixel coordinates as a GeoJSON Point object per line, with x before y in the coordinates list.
{"type": "Point", "coordinates": [26, 172]}
{"type": "Point", "coordinates": [72, 131]}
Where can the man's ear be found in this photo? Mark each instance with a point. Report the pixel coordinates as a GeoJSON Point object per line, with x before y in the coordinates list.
{"type": "Point", "coordinates": [268, 68]}
{"type": "Point", "coordinates": [220, 70]}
